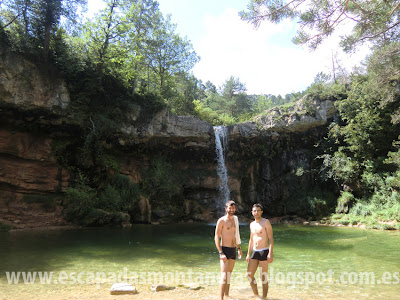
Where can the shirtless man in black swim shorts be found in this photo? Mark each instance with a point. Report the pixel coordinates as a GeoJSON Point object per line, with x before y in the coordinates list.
{"type": "Point", "coordinates": [262, 244]}
{"type": "Point", "coordinates": [226, 243]}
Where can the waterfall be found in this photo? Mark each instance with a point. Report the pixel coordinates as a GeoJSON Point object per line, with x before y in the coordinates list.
{"type": "Point", "coordinates": [221, 141]}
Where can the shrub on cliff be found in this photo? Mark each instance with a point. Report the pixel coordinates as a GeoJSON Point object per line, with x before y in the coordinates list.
{"type": "Point", "coordinates": [162, 184]}
{"type": "Point", "coordinates": [89, 207]}
{"type": "Point", "coordinates": [315, 203]}
{"type": "Point", "coordinates": [4, 227]}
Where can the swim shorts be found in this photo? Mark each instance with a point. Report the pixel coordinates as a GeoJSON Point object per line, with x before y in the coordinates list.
{"type": "Point", "coordinates": [260, 254]}
{"type": "Point", "coordinates": [230, 252]}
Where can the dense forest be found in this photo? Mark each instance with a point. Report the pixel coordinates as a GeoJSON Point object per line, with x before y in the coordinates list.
{"type": "Point", "coordinates": [129, 54]}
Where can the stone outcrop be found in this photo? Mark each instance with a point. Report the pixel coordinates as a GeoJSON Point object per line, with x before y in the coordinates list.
{"type": "Point", "coordinates": [303, 115]}
{"type": "Point", "coordinates": [28, 168]}
{"type": "Point", "coordinates": [25, 85]}
{"type": "Point", "coordinates": [188, 129]}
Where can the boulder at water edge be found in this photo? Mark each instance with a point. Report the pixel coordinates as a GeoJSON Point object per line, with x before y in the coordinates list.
{"type": "Point", "coordinates": [191, 286]}
{"type": "Point", "coordinates": [161, 287]}
{"type": "Point", "coordinates": [123, 289]}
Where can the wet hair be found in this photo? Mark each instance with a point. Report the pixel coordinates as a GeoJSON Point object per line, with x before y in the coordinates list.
{"type": "Point", "coordinates": [230, 203]}
{"type": "Point", "coordinates": [258, 205]}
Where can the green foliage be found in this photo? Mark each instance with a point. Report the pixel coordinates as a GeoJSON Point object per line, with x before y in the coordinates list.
{"type": "Point", "coordinates": [345, 168]}
{"type": "Point", "coordinates": [86, 157]}
{"type": "Point", "coordinates": [287, 107]}
{"type": "Point", "coordinates": [120, 195]}
{"type": "Point", "coordinates": [375, 21]}
{"type": "Point", "coordinates": [63, 150]}
{"type": "Point", "coordinates": [231, 105]}
{"type": "Point", "coordinates": [227, 107]}
{"type": "Point", "coordinates": [3, 35]}
{"type": "Point", "coordinates": [209, 115]}
{"type": "Point", "coordinates": [48, 202]}
{"type": "Point", "coordinates": [150, 104]}
{"type": "Point", "coordinates": [376, 208]}
{"type": "Point", "coordinates": [324, 88]}
{"type": "Point", "coordinates": [90, 207]}
{"type": "Point", "coordinates": [372, 215]}
{"type": "Point", "coordinates": [32, 24]}
{"type": "Point", "coordinates": [394, 156]}
{"type": "Point", "coordinates": [339, 167]}
{"type": "Point", "coordinates": [80, 200]}
{"type": "Point", "coordinates": [162, 182]}
{"type": "Point", "coordinates": [4, 227]}
{"type": "Point", "coordinates": [226, 119]}
{"type": "Point", "coordinates": [345, 200]}
{"type": "Point", "coordinates": [361, 150]}
{"type": "Point", "coordinates": [205, 113]}
{"type": "Point", "coordinates": [383, 66]}
{"type": "Point", "coordinates": [361, 141]}
{"type": "Point", "coordinates": [315, 203]}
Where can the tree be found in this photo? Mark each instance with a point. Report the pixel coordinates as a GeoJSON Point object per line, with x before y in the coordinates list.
{"type": "Point", "coordinates": [236, 99]}
{"type": "Point", "coordinates": [186, 89]}
{"type": "Point", "coordinates": [167, 53]}
{"type": "Point", "coordinates": [38, 19]}
{"type": "Point", "coordinates": [374, 21]}
{"type": "Point", "coordinates": [210, 87]}
{"type": "Point", "coordinates": [102, 34]}
{"type": "Point", "coordinates": [15, 11]}
{"type": "Point", "coordinates": [384, 69]}
{"type": "Point", "coordinates": [141, 19]}
{"type": "Point", "coordinates": [262, 103]}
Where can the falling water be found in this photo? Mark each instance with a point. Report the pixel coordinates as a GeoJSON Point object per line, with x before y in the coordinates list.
{"type": "Point", "coordinates": [221, 141]}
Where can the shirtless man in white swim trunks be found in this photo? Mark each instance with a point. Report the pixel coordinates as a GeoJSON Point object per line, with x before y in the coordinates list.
{"type": "Point", "coordinates": [262, 244]}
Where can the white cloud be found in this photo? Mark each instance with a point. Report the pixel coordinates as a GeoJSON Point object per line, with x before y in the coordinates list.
{"type": "Point", "coordinates": [233, 47]}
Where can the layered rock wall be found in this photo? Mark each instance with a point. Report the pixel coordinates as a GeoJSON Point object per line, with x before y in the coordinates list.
{"type": "Point", "coordinates": [269, 159]}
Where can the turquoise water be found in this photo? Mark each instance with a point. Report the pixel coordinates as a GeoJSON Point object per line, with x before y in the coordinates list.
{"type": "Point", "coordinates": [320, 261]}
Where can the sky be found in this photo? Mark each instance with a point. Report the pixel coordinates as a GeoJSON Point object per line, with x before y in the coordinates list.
{"type": "Point", "coordinates": [264, 59]}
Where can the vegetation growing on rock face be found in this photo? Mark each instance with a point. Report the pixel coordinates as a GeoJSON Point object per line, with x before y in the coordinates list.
{"type": "Point", "coordinates": [88, 206]}
{"type": "Point", "coordinates": [4, 227]}
{"type": "Point", "coordinates": [361, 149]}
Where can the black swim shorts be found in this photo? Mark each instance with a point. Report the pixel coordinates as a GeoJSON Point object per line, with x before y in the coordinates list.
{"type": "Point", "coordinates": [260, 254]}
{"type": "Point", "coordinates": [230, 252]}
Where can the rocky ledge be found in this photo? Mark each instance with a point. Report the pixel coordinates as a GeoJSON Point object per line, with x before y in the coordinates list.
{"type": "Point", "coordinates": [303, 115]}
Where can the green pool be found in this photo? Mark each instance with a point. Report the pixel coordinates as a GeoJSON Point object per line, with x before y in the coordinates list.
{"type": "Point", "coordinates": [309, 262]}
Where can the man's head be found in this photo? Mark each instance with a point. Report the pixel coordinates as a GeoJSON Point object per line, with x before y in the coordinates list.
{"type": "Point", "coordinates": [257, 210]}
{"type": "Point", "coordinates": [230, 207]}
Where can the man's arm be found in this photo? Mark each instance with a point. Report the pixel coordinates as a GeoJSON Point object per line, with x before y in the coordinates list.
{"type": "Point", "coordinates": [250, 245]}
{"type": "Point", "coordinates": [239, 251]}
{"type": "Point", "coordinates": [270, 235]}
{"type": "Point", "coordinates": [217, 237]}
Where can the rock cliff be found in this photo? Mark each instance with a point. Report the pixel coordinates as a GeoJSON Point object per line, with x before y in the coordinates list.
{"type": "Point", "coordinates": [28, 86]}
{"type": "Point", "coordinates": [269, 160]}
